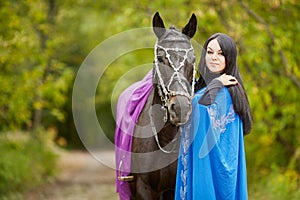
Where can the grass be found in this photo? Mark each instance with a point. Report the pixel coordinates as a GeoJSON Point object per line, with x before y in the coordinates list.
{"type": "Point", "coordinates": [25, 163]}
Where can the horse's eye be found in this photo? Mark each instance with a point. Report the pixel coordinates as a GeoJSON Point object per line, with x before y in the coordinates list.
{"type": "Point", "coordinates": [160, 59]}
{"type": "Point", "coordinates": [192, 59]}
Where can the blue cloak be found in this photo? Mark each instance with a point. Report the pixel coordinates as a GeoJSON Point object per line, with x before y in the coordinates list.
{"type": "Point", "coordinates": [211, 164]}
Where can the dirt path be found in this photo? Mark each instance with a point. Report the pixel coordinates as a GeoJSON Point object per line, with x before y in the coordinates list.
{"type": "Point", "coordinates": [81, 177]}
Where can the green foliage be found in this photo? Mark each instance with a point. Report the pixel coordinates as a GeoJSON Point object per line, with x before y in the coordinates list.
{"type": "Point", "coordinates": [25, 162]}
{"type": "Point", "coordinates": [279, 184]}
{"type": "Point", "coordinates": [43, 43]}
{"type": "Point", "coordinates": [32, 76]}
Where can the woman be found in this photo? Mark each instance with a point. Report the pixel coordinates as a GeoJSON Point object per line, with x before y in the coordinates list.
{"type": "Point", "coordinates": [212, 159]}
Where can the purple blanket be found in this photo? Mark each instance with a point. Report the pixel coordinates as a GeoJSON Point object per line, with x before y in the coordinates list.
{"type": "Point", "coordinates": [129, 107]}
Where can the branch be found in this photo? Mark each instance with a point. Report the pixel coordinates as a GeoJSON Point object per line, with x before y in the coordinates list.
{"type": "Point", "coordinates": [285, 144]}
{"type": "Point", "coordinates": [284, 61]}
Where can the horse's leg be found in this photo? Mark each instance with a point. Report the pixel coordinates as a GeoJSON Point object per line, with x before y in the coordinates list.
{"type": "Point", "coordinates": [144, 191]}
{"type": "Point", "coordinates": [132, 185]}
{"type": "Point", "coordinates": [168, 195]}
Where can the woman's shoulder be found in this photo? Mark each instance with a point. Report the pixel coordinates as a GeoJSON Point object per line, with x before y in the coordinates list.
{"type": "Point", "coordinates": [222, 95]}
{"type": "Point", "coordinates": [222, 91]}
{"type": "Point", "coordinates": [200, 92]}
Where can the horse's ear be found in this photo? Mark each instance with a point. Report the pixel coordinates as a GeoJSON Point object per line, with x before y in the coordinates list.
{"type": "Point", "coordinates": [158, 25]}
{"type": "Point", "coordinates": [191, 27]}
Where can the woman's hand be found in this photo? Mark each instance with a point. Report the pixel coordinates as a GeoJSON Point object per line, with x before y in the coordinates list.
{"type": "Point", "coordinates": [227, 80]}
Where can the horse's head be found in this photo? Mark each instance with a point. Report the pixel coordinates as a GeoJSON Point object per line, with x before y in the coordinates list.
{"type": "Point", "coordinates": [174, 68]}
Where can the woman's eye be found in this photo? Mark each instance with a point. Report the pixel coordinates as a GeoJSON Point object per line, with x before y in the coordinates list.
{"type": "Point", "coordinates": [209, 52]}
{"type": "Point", "coordinates": [221, 53]}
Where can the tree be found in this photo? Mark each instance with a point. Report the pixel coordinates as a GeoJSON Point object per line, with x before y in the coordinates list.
{"type": "Point", "coordinates": [33, 78]}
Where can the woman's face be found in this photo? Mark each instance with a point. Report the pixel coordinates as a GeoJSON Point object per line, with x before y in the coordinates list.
{"type": "Point", "coordinates": [214, 58]}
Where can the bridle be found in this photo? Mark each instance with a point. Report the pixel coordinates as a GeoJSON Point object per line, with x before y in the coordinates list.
{"type": "Point", "coordinates": [164, 90]}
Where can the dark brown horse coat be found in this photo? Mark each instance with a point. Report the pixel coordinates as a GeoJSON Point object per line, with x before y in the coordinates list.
{"type": "Point", "coordinates": [156, 135]}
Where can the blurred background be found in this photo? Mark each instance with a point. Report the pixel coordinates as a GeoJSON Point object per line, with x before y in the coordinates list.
{"type": "Point", "coordinates": [43, 43]}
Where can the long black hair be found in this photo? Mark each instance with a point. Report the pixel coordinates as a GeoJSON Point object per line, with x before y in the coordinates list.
{"type": "Point", "coordinates": [237, 92]}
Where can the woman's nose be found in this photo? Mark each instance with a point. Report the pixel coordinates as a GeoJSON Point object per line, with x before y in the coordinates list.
{"type": "Point", "coordinates": [214, 56]}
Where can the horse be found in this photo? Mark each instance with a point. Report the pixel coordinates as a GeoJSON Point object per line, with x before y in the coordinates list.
{"type": "Point", "coordinates": [155, 143]}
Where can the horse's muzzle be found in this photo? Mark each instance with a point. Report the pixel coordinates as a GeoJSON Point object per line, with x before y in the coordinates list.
{"type": "Point", "coordinates": [180, 109]}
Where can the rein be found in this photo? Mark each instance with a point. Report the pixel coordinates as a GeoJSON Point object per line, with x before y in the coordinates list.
{"type": "Point", "coordinates": [164, 89]}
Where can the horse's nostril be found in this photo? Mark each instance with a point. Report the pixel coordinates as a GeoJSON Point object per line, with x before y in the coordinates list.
{"type": "Point", "coordinates": [173, 106]}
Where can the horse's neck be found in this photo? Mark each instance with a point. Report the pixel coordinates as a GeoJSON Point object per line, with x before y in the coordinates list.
{"type": "Point", "coordinates": [152, 114]}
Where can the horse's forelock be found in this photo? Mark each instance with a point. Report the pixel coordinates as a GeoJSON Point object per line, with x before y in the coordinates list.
{"type": "Point", "coordinates": [174, 28]}
{"type": "Point", "coordinates": [173, 35]}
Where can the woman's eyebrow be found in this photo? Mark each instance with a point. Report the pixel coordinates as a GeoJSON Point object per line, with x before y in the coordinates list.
{"type": "Point", "coordinates": [220, 50]}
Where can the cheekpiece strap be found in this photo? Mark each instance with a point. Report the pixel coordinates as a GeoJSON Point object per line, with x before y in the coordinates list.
{"type": "Point", "coordinates": [166, 89]}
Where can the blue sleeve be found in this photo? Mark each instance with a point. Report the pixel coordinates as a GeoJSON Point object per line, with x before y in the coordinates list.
{"type": "Point", "coordinates": [220, 114]}
{"type": "Point", "coordinates": [211, 92]}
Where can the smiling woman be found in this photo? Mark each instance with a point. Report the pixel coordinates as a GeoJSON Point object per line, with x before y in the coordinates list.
{"type": "Point", "coordinates": [212, 153]}
{"type": "Point", "coordinates": [214, 58]}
